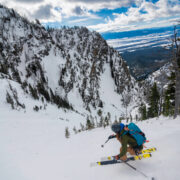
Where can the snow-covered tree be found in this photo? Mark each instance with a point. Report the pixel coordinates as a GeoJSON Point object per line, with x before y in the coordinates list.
{"type": "Point", "coordinates": [67, 133]}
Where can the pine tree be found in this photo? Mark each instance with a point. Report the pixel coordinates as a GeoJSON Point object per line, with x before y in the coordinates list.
{"type": "Point", "coordinates": [33, 92]}
{"type": "Point", "coordinates": [9, 100]}
{"type": "Point", "coordinates": [115, 121]}
{"type": "Point", "coordinates": [153, 110]}
{"type": "Point", "coordinates": [169, 97]}
{"type": "Point", "coordinates": [89, 124]}
{"type": "Point", "coordinates": [101, 122]}
{"type": "Point", "coordinates": [107, 120]}
{"type": "Point", "coordinates": [109, 117]}
{"type": "Point", "coordinates": [67, 133]}
{"type": "Point", "coordinates": [82, 127]}
{"type": "Point", "coordinates": [75, 130]}
{"type": "Point", "coordinates": [131, 118]}
{"type": "Point", "coordinates": [136, 117]}
{"type": "Point", "coordinates": [143, 112]}
{"type": "Point", "coordinates": [126, 99]}
{"type": "Point", "coordinates": [99, 112]}
{"type": "Point", "coordinates": [167, 106]}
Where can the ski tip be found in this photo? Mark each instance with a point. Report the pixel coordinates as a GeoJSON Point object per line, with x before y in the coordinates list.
{"type": "Point", "coordinates": [104, 158]}
{"type": "Point", "coordinates": [93, 164]}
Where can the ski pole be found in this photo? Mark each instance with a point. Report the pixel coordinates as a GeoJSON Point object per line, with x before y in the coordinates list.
{"type": "Point", "coordinates": [152, 178]}
{"type": "Point", "coordinates": [110, 137]}
{"type": "Point", "coordinates": [104, 143]}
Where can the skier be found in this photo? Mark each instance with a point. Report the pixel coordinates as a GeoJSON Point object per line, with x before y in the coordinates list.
{"type": "Point", "coordinates": [129, 139]}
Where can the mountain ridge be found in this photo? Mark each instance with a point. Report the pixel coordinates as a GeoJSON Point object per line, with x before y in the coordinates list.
{"type": "Point", "coordinates": [51, 64]}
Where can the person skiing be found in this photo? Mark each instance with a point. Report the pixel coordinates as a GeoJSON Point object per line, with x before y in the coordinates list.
{"type": "Point", "coordinates": [131, 139]}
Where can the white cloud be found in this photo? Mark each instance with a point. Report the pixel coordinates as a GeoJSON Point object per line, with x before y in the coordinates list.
{"type": "Point", "coordinates": [154, 15]}
{"type": "Point", "coordinates": [68, 8]}
{"type": "Point", "coordinates": [43, 10]}
{"type": "Point", "coordinates": [101, 4]}
{"type": "Point", "coordinates": [55, 10]}
{"type": "Point", "coordinates": [46, 10]}
{"type": "Point", "coordinates": [137, 41]}
{"type": "Point", "coordinates": [114, 27]}
{"type": "Point", "coordinates": [78, 20]}
{"type": "Point", "coordinates": [29, 1]}
{"type": "Point", "coordinates": [47, 13]}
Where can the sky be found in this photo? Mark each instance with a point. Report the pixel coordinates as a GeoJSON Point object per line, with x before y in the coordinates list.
{"type": "Point", "coordinates": [125, 24]}
{"type": "Point", "coordinates": [100, 15]}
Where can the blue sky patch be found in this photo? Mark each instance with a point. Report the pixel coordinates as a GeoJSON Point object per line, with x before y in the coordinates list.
{"type": "Point", "coordinates": [141, 32]}
{"type": "Point", "coordinates": [104, 13]}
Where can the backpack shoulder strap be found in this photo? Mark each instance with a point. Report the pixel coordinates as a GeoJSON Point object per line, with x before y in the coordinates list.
{"type": "Point", "coordinates": [123, 133]}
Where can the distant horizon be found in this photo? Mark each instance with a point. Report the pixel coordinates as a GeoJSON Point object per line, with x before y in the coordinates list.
{"type": "Point", "coordinates": [137, 39]}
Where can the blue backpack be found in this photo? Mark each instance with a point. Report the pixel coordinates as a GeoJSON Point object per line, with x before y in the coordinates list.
{"type": "Point", "coordinates": [137, 134]}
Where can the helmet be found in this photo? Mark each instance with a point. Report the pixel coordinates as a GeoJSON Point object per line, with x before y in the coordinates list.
{"type": "Point", "coordinates": [117, 127]}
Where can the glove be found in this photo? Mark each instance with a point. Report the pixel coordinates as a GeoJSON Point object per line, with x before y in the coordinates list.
{"type": "Point", "coordinates": [111, 136]}
{"type": "Point", "coordinates": [117, 157]}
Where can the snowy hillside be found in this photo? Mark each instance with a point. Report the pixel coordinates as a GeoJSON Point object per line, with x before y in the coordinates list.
{"type": "Point", "coordinates": [70, 68]}
{"type": "Point", "coordinates": [160, 76]}
{"type": "Point", "coordinates": [33, 147]}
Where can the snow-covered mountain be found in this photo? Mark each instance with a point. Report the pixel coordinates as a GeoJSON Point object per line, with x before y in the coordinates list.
{"type": "Point", "coordinates": [70, 67]}
{"type": "Point", "coordinates": [160, 77]}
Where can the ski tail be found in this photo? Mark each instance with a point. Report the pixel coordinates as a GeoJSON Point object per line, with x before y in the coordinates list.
{"type": "Point", "coordinates": [108, 162]}
{"type": "Point", "coordinates": [149, 150]}
{"type": "Point", "coordinates": [114, 161]}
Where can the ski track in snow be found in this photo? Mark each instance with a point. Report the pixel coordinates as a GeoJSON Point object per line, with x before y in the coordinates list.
{"type": "Point", "coordinates": [34, 148]}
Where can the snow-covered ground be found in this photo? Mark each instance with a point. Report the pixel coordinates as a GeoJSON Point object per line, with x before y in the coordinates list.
{"type": "Point", "coordinates": [33, 147]}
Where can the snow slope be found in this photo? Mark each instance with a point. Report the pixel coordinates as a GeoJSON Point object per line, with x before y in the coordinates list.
{"type": "Point", "coordinates": [33, 147]}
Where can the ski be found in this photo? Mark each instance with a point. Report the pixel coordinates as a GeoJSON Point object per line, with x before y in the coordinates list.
{"type": "Point", "coordinates": [114, 161]}
{"type": "Point", "coordinates": [149, 150]}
